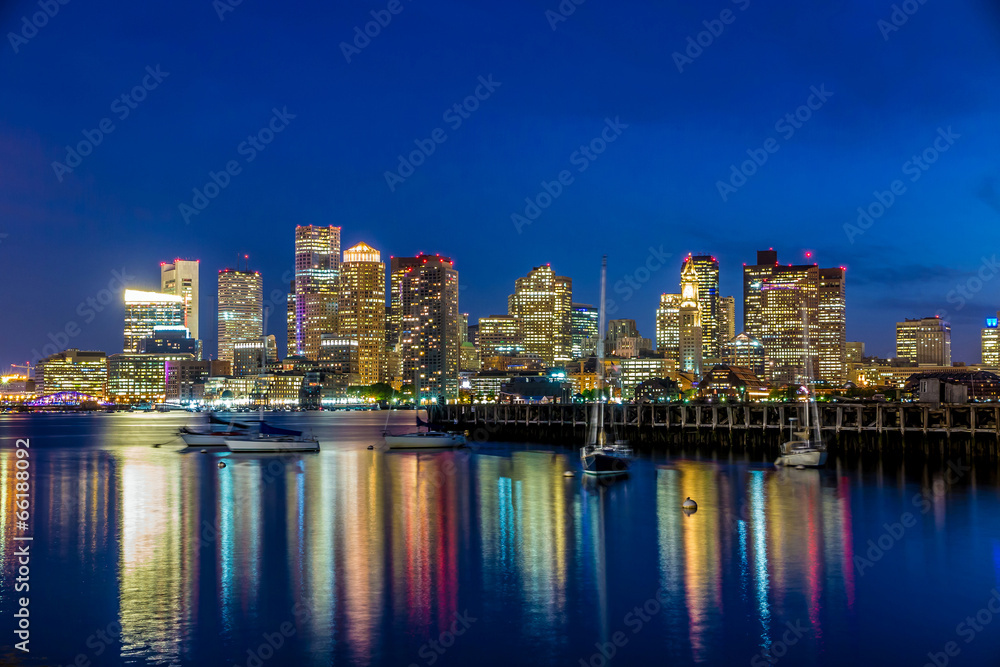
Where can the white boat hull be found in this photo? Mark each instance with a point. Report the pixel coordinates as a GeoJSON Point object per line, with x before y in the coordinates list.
{"type": "Point", "coordinates": [271, 445]}
{"type": "Point", "coordinates": [203, 440]}
{"type": "Point", "coordinates": [425, 441]}
{"type": "Point", "coordinates": [810, 459]}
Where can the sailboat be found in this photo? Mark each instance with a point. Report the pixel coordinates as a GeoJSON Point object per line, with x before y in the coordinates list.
{"type": "Point", "coordinates": [216, 433]}
{"type": "Point", "coordinates": [422, 439]}
{"type": "Point", "coordinates": [801, 450]}
{"type": "Point", "coordinates": [599, 457]}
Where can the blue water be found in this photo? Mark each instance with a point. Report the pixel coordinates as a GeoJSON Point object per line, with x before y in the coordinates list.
{"type": "Point", "coordinates": [487, 556]}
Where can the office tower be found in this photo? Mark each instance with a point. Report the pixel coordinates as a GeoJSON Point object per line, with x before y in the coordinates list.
{"type": "Point", "coordinates": [855, 352]}
{"type": "Point", "coordinates": [140, 378]}
{"type": "Point", "coordinates": [181, 279]}
{"type": "Point", "coordinates": [781, 302]}
{"type": "Point", "coordinates": [668, 326]}
{"type": "Point", "coordinates": [249, 356]}
{"type": "Point", "coordinates": [623, 339]}
{"type": "Point", "coordinates": [746, 352]}
{"type": "Point", "coordinates": [541, 304]}
{"type": "Point", "coordinates": [398, 267]}
{"type": "Point", "coordinates": [925, 341]}
{"type": "Point", "coordinates": [317, 274]}
{"type": "Point", "coordinates": [340, 355]}
{"type": "Point", "coordinates": [991, 342]}
{"type": "Point", "coordinates": [361, 309]}
{"type": "Point", "coordinates": [691, 337]}
{"type": "Point", "coordinates": [291, 349]}
{"type": "Point", "coordinates": [583, 330]}
{"type": "Point", "coordinates": [429, 329]}
{"type": "Point", "coordinates": [73, 370]}
{"type": "Point", "coordinates": [499, 339]}
{"type": "Point", "coordinates": [727, 319]}
{"type": "Point", "coordinates": [706, 268]}
{"type": "Point", "coordinates": [241, 309]}
{"type": "Point", "coordinates": [830, 335]}
{"type": "Point", "coordinates": [145, 310]}
{"type": "Point", "coordinates": [463, 324]}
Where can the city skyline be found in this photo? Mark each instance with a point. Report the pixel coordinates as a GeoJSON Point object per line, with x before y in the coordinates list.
{"type": "Point", "coordinates": [119, 207]}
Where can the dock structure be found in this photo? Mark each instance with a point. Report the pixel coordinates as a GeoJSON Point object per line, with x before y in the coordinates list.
{"type": "Point", "coordinates": [665, 422]}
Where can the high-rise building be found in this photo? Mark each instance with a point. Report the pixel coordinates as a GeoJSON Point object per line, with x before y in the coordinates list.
{"type": "Point", "coordinates": [165, 340]}
{"type": "Point", "coordinates": [781, 303]}
{"type": "Point", "coordinates": [429, 327]}
{"type": "Point", "coordinates": [727, 319]}
{"type": "Point", "coordinates": [180, 278]}
{"type": "Point", "coordinates": [925, 341]}
{"type": "Point", "coordinates": [73, 370]}
{"type": "Point", "coordinates": [623, 339]}
{"type": "Point", "coordinates": [499, 339]}
{"type": "Point", "coordinates": [583, 330]}
{"type": "Point", "coordinates": [249, 356]}
{"type": "Point", "coordinates": [145, 310]}
{"type": "Point", "coordinates": [542, 305]}
{"type": "Point", "coordinates": [855, 352]}
{"type": "Point", "coordinates": [241, 309]}
{"type": "Point", "coordinates": [361, 309]}
{"type": "Point", "coordinates": [706, 268]}
{"type": "Point", "coordinates": [139, 378]}
{"type": "Point", "coordinates": [991, 342]}
{"type": "Point", "coordinates": [398, 267]}
{"type": "Point", "coordinates": [317, 276]}
{"type": "Point", "coordinates": [691, 336]}
{"type": "Point", "coordinates": [668, 326]}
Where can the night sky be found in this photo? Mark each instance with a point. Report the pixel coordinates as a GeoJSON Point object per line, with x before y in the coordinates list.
{"type": "Point", "coordinates": [887, 93]}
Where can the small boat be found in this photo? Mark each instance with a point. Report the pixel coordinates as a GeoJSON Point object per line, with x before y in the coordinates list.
{"type": "Point", "coordinates": [215, 435]}
{"type": "Point", "coordinates": [800, 450]}
{"type": "Point", "coordinates": [599, 458]}
{"type": "Point", "coordinates": [424, 439]}
{"type": "Point", "coordinates": [272, 439]}
{"type": "Point", "coordinates": [606, 459]}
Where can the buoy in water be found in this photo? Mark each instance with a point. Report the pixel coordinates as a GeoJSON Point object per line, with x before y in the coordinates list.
{"type": "Point", "coordinates": [204, 451]}
{"type": "Point", "coordinates": [800, 467]}
{"type": "Point", "coordinates": [569, 473]}
{"type": "Point", "coordinates": [222, 464]}
{"type": "Point", "coordinates": [156, 444]}
{"type": "Point", "coordinates": [689, 505]}
{"type": "Point", "coordinates": [371, 446]}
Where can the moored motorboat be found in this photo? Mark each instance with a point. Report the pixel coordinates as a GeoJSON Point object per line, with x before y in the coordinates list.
{"type": "Point", "coordinates": [425, 440]}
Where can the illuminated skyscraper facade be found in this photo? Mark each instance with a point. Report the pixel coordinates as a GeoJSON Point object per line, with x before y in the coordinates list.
{"type": "Point", "coordinates": [498, 337]}
{"type": "Point", "coordinates": [430, 333]}
{"type": "Point", "coordinates": [727, 320]}
{"type": "Point", "coordinates": [145, 310]}
{"type": "Point", "coordinates": [706, 268]}
{"type": "Point", "coordinates": [317, 276]}
{"type": "Point", "coordinates": [781, 302]}
{"type": "Point", "coordinates": [583, 330]}
{"type": "Point", "coordinates": [668, 326]}
{"type": "Point", "coordinates": [924, 341]}
{"type": "Point", "coordinates": [361, 309]}
{"type": "Point", "coordinates": [241, 310]}
{"type": "Point", "coordinates": [180, 278]}
{"type": "Point", "coordinates": [691, 336]}
{"type": "Point", "coordinates": [542, 304]}
{"type": "Point", "coordinates": [990, 339]}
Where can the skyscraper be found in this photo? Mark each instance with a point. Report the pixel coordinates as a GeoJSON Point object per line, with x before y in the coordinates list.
{"type": "Point", "coordinates": [145, 310]}
{"type": "Point", "coordinates": [706, 268]}
{"type": "Point", "coordinates": [727, 320]}
{"type": "Point", "coordinates": [241, 310]}
{"type": "Point", "coordinates": [181, 279]}
{"type": "Point", "coordinates": [429, 328]}
{"type": "Point", "coordinates": [361, 309]}
{"type": "Point", "coordinates": [542, 306]}
{"type": "Point", "coordinates": [781, 302]}
{"type": "Point", "coordinates": [925, 341]}
{"type": "Point", "coordinates": [990, 338]}
{"type": "Point", "coordinates": [583, 330]}
{"type": "Point", "coordinates": [317, 274]}
{"type": "Point", "coordinates": [691, 336]}
{"type": "Point", "coordinates": [668, 326]}
{"type": "Point", "coordinates": [398, 267]}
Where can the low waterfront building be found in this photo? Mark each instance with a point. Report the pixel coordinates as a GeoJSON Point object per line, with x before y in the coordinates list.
{"type": "Point", "coordinates": [733, 382]}
{"type": "Point", "coordinates": [955, 385]}
{"type": "Point", "coordinates": [536, 389]}
{"type": "Point", "coordinates": [139, 378]}
{"type": "Point", "coordinates": [73, 370]}
{"type": "Point", "coordinates": [657, 390]}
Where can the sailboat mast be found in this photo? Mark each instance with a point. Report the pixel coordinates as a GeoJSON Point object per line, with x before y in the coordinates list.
{"type": "Point", "coordinates": [600, 345]}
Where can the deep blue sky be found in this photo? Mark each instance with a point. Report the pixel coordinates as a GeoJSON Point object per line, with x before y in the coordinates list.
{"type": "Point", "coordinates": [655, 185]}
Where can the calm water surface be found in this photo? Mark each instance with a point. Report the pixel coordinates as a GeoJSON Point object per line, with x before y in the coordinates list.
{"type": "Point", "coordinates": [488, 556]}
